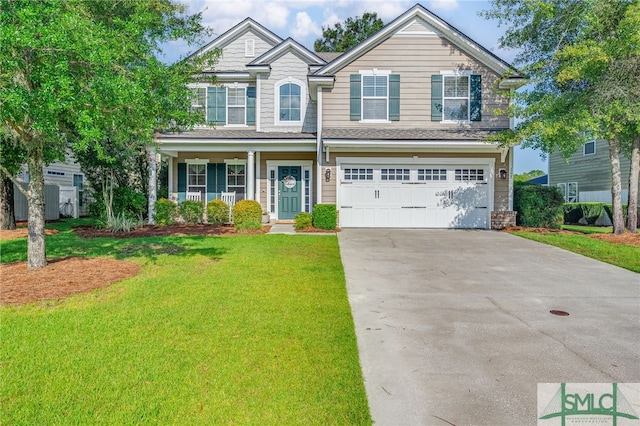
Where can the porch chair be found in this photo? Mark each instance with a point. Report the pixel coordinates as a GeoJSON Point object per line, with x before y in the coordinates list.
{"type": "Point", "coordinates": [194, 196]}
{"type": "Point", "coordinates": [230, 199]}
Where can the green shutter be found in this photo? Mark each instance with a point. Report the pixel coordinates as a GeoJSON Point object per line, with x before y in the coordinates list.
{"type": "Point", "coordinates": [436, 97]}
{"type": "Point", "coordinates": [355, 90]}
{"type": "Point", "coordinates": [251, 106]}
{"type": "Point", "coordinates": [211, 181]}
{"type": "Point", "coordinates": [475, 108]}
{"type": "Point", "coordinates": [394, 97]}
{"type": "Point", "coordinates": [182, 177]}
{"type": "Point", "coordinates": [217, 105]}
{"type": "Point", "coordinates": [221, 177]}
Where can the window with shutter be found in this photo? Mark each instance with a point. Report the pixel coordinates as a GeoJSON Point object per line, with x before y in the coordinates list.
{"type": "Point", "coordinates": [375, 96]}
{"type": "Point", "coordinates": [456, 97]}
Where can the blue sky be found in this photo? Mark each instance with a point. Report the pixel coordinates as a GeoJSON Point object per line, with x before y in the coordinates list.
{"type": "Point", "coordinates": [303, 21]}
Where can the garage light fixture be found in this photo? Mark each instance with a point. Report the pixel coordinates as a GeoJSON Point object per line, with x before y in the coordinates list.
{"type": "Point", "coordinates": [327, 175]}
{"type": "Point", "coordinates": [503, 173]}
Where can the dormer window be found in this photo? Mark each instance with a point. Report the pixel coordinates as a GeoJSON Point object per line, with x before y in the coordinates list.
{"type": "Point", "coordinates": [249, 48]}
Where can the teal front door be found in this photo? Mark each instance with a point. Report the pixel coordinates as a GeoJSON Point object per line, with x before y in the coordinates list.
{"type": "Point", "coordinates": [289, 191]}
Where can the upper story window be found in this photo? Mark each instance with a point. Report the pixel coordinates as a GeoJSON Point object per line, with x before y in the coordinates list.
{"type": "Point", "coordinates": [589, 148]}
{"type": "Point", "coordinates": [456, 96]}
{"type": "Point", "coordinates": [249, 48]}
{"type": "Point", "coordinates": [290, 102]}
{"type": "Point", "coordinates": [236, 113]}
{"type": "Point", "coordinates": [375, 97]}
{"type": "Point", "coordinates": [199, 102]}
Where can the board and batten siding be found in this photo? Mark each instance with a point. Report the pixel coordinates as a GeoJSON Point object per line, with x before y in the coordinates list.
{"type": "Point", "coordinates": [591, 172]}
{"type": "Point", "coordinates": [415, 58]}
{"type": "Point", "coordinates": [233, 54]}
{"type": "Point", "coordinates": [287, 65]}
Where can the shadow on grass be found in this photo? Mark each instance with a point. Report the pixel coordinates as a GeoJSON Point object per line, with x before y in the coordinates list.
{"type": "Point", "coordinates": [67, 243]}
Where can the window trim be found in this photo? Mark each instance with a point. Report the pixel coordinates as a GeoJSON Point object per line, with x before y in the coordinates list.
{"type": "Point", "coordinates": [276, 96]}
{"type": "Point", "coordinates": [236, 85]}
{"type": "Point", "coordinates": [205, 107]}
{"type": "Point", "coordinates": [373, 73]}
{"type": "Point", "coordinates": [584, 148]}
{"type": "Point", "coordinates": [236, 162]}
{"type": "Point", "coordinates": [197, 162]}
{"type": "Point", "coordinates": [569, 197]}
{"type": "Point", "coordinates": [456, 73]}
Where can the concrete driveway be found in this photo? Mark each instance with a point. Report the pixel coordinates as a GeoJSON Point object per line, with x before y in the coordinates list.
{"type": "Point", "coordinates": [454, 326]}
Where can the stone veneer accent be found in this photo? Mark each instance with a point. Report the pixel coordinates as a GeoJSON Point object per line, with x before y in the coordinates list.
{"type": "Point", "coordinates": [503, 219]}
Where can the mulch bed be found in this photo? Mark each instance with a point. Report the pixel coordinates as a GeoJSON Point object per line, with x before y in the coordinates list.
{"type": "Point", "coordinates": [165, 231]}
{"type": "Point", "coordinates": [60, 278]}
{"type": "Point", "coordinates": [627, 238]}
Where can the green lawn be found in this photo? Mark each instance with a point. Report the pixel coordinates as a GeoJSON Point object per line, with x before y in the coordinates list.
{"type": "Point", "coordinates": [588, 229]}
{"type": "Point", "coordinates": [214, 330]}
{"type": "Point", "coordinates": [624, 256]}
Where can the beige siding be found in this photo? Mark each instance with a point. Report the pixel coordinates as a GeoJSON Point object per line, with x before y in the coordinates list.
{"type": "Point", "coordinates": [233, 54]}
{"type": "Point", "coordinates": [591, 172]}
{"type": "Point", "coordinates": [501, 186]}
{"type": "Point", "coordinates": [287, 66]}
{"type": "Point", "coordinates": [52, 173]}
{"type": "Point", "coordinates": [415, 59]}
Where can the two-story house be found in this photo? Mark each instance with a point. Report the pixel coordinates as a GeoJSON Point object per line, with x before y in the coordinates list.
{"type": "Point", "coordinates": [392, 131]}
{"type": "Point", "coordinates": [586, 175]}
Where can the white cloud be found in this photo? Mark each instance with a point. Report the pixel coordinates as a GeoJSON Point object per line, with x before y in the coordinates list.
{"type": "Point", "coordinates": [330, 18]}
{"type": "Point", "coordinates": [304, 26]}
{"type": "Point", "coordinates": [443, 4]}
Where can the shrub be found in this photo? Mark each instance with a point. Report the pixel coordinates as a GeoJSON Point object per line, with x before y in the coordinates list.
{"type": "Point", "coordinates": [609, 210]}
{"type": "Point", "coordinates": [325, 216]}
{"type": "Point", "coordinates": [166, 212]}
{"type": "Point", "coordinates": [127, 201]}
{"type": "Point", "coordinates": [217, 212]}
{"type": "Point", "coordinates": [247, 214]}
{"type": "Point", "coordinates": [191, 212]}
{"type": "Point", "coordinates": [302, 221]}
{"type": "Point", "coordinates": [122, 223]}
{"type": "Point", "coordinates": [538, 206]}
{"type": "Point", "coordinates": [573, 212]}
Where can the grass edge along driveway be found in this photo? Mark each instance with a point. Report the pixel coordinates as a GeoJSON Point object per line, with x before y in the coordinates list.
{"type": "Point", "coordinates": [623, 256]}
{"type": "Point", "coordinates": [243, 330]}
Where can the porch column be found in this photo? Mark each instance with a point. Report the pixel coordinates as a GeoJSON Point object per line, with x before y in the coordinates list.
{"type": "Point", "coordinates": [250, 175]}
{"type": "Point", "coordinates": [153, 179]}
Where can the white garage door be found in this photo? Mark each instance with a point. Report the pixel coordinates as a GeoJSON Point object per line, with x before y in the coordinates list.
{"type": "Point", "coordinates": [413, 196]}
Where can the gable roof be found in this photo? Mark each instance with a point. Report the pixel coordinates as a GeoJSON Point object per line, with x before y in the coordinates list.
{"type": "Point", "coordinates": [435, 23]}
{"type": "Point", "coordinates": [291, 45]}
{"type": "Point", "coordinates": [236, 31]}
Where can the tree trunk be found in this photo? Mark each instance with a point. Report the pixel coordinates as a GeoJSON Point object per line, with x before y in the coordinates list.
{"type": "Point", "coordinates": [7, 211]}
{"type": "Point", "coordinates": [36, 251]}
{"type": "Point", "coordinates": [634, 175]}
{"type": "Point", "coordinates": [616, 186]}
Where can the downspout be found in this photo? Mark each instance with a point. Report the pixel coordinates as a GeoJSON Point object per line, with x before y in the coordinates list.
{"type": "Point", "coordinates": [319, 146]}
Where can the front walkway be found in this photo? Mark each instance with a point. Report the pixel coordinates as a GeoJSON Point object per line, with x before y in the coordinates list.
{"type": "Point", "coordinates": [454, 326]}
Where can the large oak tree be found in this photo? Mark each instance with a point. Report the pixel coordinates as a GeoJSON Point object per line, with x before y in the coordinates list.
{"type": "Point", "coordinates": [78, 74]}
{"type": "Point", "coordinates": [582, 59]}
